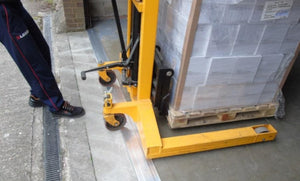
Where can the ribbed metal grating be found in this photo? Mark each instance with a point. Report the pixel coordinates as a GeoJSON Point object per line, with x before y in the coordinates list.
{"type": "Point", "coordinates": [51, 148]}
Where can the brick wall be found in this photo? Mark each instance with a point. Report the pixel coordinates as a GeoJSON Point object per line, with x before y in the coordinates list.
{"type": "Point", "coordinates": [74, 13]}
{"type": "Point", "coordinates": [96, 9]}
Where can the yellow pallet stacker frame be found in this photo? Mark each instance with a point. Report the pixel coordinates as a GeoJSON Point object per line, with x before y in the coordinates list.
{"type": "Point", "coordinates": [140, 107]}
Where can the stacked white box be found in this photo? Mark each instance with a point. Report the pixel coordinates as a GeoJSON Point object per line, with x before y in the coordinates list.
{"type": "Point", "coordinates": [172, 23]}
{"type": "Point", "coordinates": [211, 12]}
{"type": "Point", "coordinates": [268, 68]}
{"type": "Point", "coordinates": [233, 15]}
{"type": "Point", "coordinates": [291, 40]}
{"type": "Point", "coordinates": [201, 40]}
{"type": "Point", "coordinates": [268, 93]}
{"type": "Point", "coordinates": [241, 50]}
{"type": "Point", "coordinates": [198, 71]}
{"type": "Point", "coordinates": [272, 39]}
{"type": "Point", "coordinates": [221, 40]}
{"type": "Point", "coordinates": [245, 44]}
{"type": "Point", "coordinates": [232, 70]}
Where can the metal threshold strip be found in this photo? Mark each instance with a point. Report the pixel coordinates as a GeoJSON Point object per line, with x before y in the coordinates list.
{"type": "Point", "coordinates": [97, 46]}
{"type": "Point", "coordinates": [144, 168]}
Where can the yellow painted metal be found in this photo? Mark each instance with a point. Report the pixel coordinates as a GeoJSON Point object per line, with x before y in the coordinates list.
{"type": "Point", "coordinates": [139, 5]}
{"type": "Point", "coordinates": [107, 63]}
{"type": "Point", "coordinates": [140, 109]}
{"type": "Point", "coordinates": [147, 48]}
{"type": "Point", "coordinates": [108, 100]}
{"type": "Point", "coordinates": [132, 92]}
{"type": "Point", "coordinates": [212, 140]}
{"type": "Point", "coordinates": [104, 75]}
{"type": "Point", "coordinates": [110, 118]}
{"type": "Point", "coordinates": [154, 146]}
{"type": "Point", "coordinates": [143, 115]}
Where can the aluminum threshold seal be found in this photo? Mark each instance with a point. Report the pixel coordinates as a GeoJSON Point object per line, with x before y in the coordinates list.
{"type": "Point", "coordinates": [144, 168]}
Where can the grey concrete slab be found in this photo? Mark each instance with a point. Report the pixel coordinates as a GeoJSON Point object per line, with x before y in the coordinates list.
{"type": "Point", "coordinates": [20, 128]}
{"type": "Point", "coordinates": [76, 156]}
{"type": "Point", "coordinates": [108, 149]}
{"type": "Point", "coordinates": [106, 33]}
{"type": "Point", "coordinates": [87, 137]}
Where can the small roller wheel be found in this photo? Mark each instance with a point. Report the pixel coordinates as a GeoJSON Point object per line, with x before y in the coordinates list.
{"type": "Point", "coordinates": [262, 129]}
{"type": "Point", "coordinates": [122, 121]}
{"type": "Point", "coordinates": [111, 74]}
{"type": "Point", "coordinates": [158, 48]}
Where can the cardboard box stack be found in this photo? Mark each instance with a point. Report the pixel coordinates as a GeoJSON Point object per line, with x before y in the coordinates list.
{"type": "Point", "coordinates": [240, 54]}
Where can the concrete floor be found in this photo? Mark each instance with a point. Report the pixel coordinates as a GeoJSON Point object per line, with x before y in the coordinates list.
{"type": "Point", "coordinates": [90, 152]}
{"type": "Point", "coordinates": [276, 160]}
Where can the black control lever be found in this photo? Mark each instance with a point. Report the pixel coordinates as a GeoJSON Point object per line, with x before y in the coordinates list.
{"type": "Point", "coordinates": [117, 64]}
{"type": "Point", "coordinates": [119, 27]}
{"type": "Point", "coordinates": [83, 75]}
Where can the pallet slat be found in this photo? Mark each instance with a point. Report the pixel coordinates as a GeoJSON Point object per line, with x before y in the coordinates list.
{"type": "Point", "coordinates": [179, 119]}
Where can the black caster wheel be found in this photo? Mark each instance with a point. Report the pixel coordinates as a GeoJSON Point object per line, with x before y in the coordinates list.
{"type": "Point", "coordinates": [158, 48]}
{"type": "Point", "coordinates": [122, 121]}
{"type": "Point", "coordinates": [111, 74]}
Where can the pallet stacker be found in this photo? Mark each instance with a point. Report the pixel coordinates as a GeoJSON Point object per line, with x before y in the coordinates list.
{"type": "Point", "coordinates": [139, 66]}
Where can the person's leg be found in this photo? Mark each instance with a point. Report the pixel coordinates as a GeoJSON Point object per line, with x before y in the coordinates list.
{"type": "Point", "coordinates": [41, 43]}
{"type": "Point", "coordinates": [21, 45]}
{"type": "Point", "coordinates": [19, 42]}
{"type": "Point", "coordinates": [36, 34]}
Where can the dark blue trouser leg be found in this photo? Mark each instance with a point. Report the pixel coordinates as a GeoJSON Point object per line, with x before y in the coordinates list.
{"type": "Point", "coordinates": [28, 48]}
{"type": "Point", "coordinates": [37, 36]}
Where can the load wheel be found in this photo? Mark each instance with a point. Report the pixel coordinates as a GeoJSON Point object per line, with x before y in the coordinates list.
{"type": "Point", "coordinates": [120, 118]}
{"type": "Point", "coordinates": [111, 74]}
{"type": "Point", "coordinates": [262, 129]}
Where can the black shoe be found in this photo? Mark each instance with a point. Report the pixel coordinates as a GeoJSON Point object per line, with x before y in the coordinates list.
{"type": "Point", "coordinates": [70, 111]}
{"type": "Point", "coordinates": [34, 101]}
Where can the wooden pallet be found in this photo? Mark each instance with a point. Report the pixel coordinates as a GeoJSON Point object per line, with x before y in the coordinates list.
{"type": "Point", "coordinates": [179, 119]}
